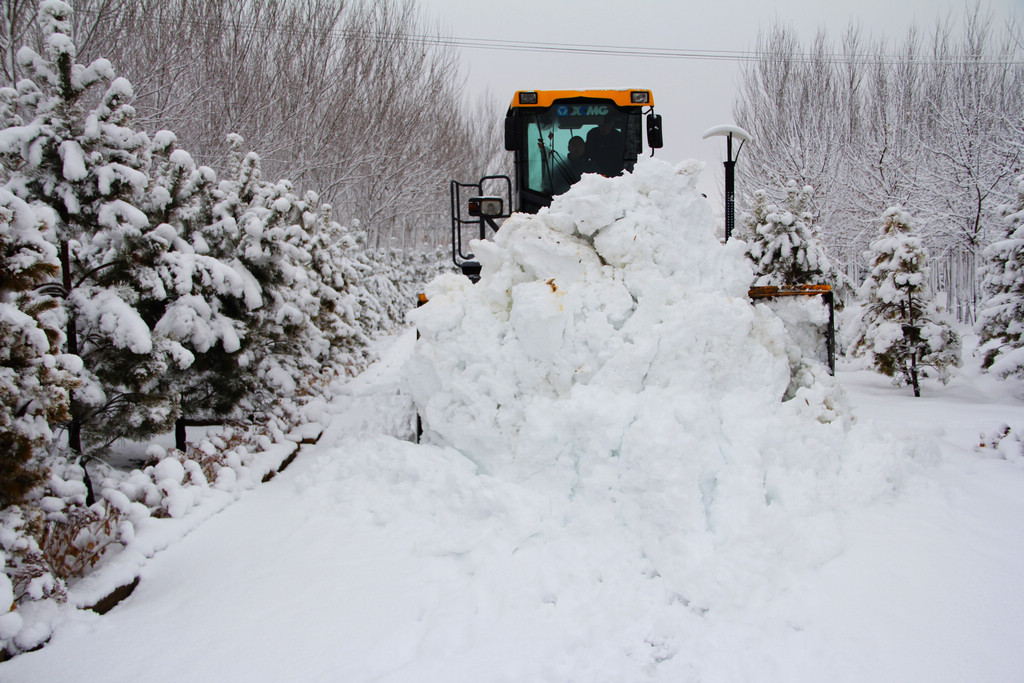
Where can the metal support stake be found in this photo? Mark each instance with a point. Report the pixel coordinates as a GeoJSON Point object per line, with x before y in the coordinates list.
{"type": "Point", "coordinates": [730, 194]}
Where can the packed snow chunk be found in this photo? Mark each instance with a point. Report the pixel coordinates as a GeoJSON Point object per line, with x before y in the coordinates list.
{"type": "Point", "coordinates": [610, 350]}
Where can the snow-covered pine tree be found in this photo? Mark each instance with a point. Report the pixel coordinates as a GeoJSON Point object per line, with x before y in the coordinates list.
{"type": "Point", "coordinates": [783, 242]}
{"type": "Point", "coordinates": [1001, 321]}
{"type": "Point", "coordinates": [35, 380]}
{"type": "Point", "coordinates": [384, 288]}
{"type": "Point", "coordinates": [286, 349]}
{"type": "Point", "coordinates": [75, 154]}
{"type": "Point", "coordinates": [368, 265]}
{"type": "Point", "coordinates": [202, 293]}
{"type": "Point", "coordinates": [901, 329]}
{"type": "Point", "coordinates": [336, 269]}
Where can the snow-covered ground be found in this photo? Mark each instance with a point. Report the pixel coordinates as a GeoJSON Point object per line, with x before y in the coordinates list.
{"type": "Point", "coordinates": [373, 559]}
{"type": "Point", "coordinates": [626, 500]}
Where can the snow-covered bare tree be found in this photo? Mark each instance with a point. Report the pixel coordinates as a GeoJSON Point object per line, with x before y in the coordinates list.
{"type": "Point", "coordinates": [884, 156]}
{"type": "Point", "coordinates": [356, 99]}
{"type": "Point", "coordinates": [791, 101]}
{"type": "Point", "coordinates": [932, 123]}
{"type": "Point", "coordinates": [972, 155]}
{"type": "Point", "coordinates": [15, 24]}
{"type": "Point", "coordinates": [901, 329]}
{"type": "Point", "coordinates": [969, 144]}
{"type": "Point", "coordinates": [1001, 322]}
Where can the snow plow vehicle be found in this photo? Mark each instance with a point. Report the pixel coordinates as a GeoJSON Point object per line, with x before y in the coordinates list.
{"type": "Point", "coordinates": [556, 136]}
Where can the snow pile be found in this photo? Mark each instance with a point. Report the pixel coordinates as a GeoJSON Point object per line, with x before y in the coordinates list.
{"type": "Point", "coordinates": [609, 357]}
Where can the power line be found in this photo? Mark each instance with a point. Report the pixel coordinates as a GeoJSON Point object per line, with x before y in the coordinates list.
{"type": "Point", "coordinates": [695, 54]}
{"type": "Point", "coordinates": [585, 49]}
{"type": "Point", "coordinates": [622, 51]}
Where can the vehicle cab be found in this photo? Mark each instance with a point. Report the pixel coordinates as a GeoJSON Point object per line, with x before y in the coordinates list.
{"type": "Point", "coordinates": [558, 135]}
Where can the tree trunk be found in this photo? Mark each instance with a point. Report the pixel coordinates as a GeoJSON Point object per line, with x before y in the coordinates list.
{"type": "Point", "coordinates": [914, 337]}
{"type": "Point", "coordinates": [181, 423]}
{"type": "Point", "coordinates": [179, 434]}
{"type": "Point", "coordinates": [75, 428]}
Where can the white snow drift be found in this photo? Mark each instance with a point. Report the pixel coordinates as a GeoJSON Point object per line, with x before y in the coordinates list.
{"type": "Point", "coordinates": [609, 357]}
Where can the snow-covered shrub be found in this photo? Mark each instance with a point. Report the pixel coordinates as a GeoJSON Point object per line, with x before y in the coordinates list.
{"type": "Point", "coordinates": [31, 576]}
{"type": "Point", "coordinates": [31, 594]}
{"type": "Point", "coordinates": [324, 296]}
{"type": "Point", "coordinates": [390, 284]}
{"type": "Point", "coordinates": [173, 482]}
{"type": "Point", "coordinates": [275, 241]}
{"type": "Point", "coordinates": [1001, 320]}
{"type": "Point", "coordinates": [56, 538]}
{"type": "Point", "coordinates": [75, 541]}
{"type": "Point", "coordinates": [202, 294]}
{"type": "Point", "coordinates": [901, 329]}
{"type": "Point", "coordinates": [1004, 442]}
{"type": "Point", "coordinates": [806, 321]}
{"type": "Point", "coordinates": [188, 297]}
{"type": "Point", "coordinates": [337, 268]}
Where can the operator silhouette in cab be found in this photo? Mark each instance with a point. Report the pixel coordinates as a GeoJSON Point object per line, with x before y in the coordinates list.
{"type": "Point", "coordinates": [606, 146]}
{"type": "Point", "coordinates": [574, 165]}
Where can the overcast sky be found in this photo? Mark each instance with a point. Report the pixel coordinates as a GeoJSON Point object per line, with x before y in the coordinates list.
{"type": "Point", "coordinates": [692, 95]}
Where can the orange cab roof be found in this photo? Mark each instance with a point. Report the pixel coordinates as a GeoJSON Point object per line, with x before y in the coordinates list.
{"type": "Point", "coordinates": [634, 97]}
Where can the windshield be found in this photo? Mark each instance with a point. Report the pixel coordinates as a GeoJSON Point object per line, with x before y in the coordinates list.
{"type": "Point", "coordinates": [565, 141]}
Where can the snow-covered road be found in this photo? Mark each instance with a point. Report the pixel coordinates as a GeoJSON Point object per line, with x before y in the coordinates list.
{"type": "Point", "coordinates": [373, 559]}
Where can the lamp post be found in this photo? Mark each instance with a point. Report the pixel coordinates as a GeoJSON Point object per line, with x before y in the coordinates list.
{"type": "Point", "coordinates": [729, 132]}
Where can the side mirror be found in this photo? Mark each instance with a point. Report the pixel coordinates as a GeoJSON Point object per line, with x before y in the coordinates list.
{"type": "Point", "coordinates": [511, 134]}
{"type": "Point", "coordinates": [654, 139]}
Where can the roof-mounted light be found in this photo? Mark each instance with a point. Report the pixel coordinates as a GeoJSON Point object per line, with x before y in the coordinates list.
{"type": "Point", "coordinates": [529, 97]}
{"type": "Point", "coordinates": [639, 97]}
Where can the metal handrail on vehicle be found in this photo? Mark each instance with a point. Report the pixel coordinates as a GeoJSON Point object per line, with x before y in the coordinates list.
{"type": "Point", "coordinates": [463, 215]}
